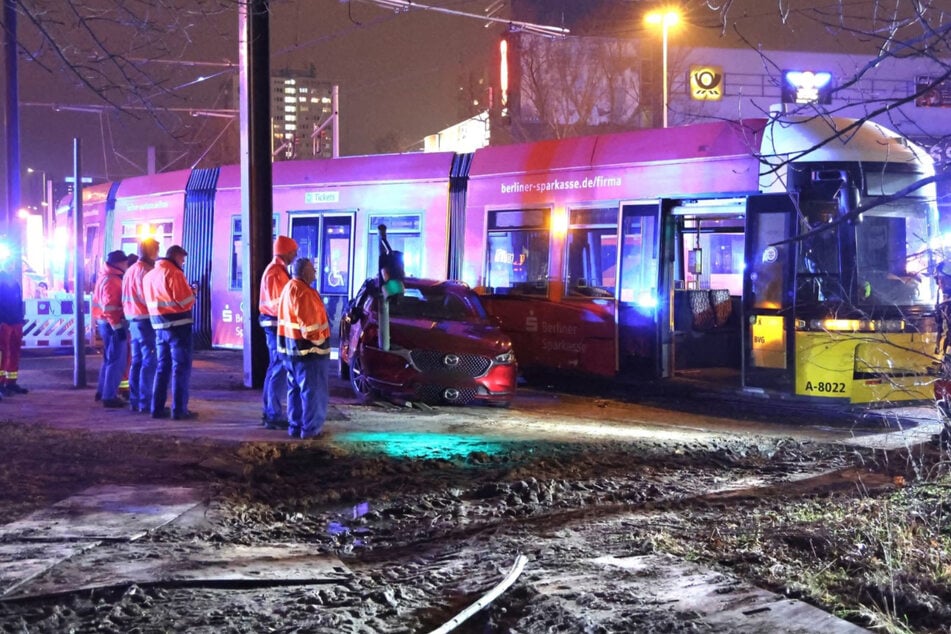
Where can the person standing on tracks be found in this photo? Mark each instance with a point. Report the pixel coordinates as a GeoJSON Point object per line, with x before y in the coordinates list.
{"type": "Point", "coordinates": [141, 333]}
{"type": "Point", "coordinates": [303, 339]}
{"type": "Point", "coordinates": [170, 300]}
{"type": "Point", "coordinates": [273, 281]}
{"type": "Point", "coordinates": [11, 329]}
{"type": "Point", "coordinates": [112, 327]}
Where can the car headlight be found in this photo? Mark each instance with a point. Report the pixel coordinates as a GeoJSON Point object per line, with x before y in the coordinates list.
{"type": "Point", "coordinates": [505, 358]}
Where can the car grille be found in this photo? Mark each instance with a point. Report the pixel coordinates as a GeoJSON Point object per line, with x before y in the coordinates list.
{"type": "Point", "coordinates": [450, 365]}
{"type": "Point", "coordinates": [433, 394]}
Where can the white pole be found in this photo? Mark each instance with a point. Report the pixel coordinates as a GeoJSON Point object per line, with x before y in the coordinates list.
{"type": "Point", "coordinates": [664, 30]}
{"type": "Point", "coordinates": [335, 106]}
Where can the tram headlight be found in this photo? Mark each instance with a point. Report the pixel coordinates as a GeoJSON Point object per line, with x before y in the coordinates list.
{"type": "Point", "coordinates": [857, 325]}
{"type": "Point", "coordinates": [838, 325]}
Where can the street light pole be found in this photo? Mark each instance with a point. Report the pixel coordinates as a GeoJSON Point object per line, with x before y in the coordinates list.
{"type": "Point", "coordinates": [664, 54]}
{"type": "Point", "coordinates": [666, 19]}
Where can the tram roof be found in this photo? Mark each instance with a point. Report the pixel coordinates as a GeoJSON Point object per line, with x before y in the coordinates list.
{"type": "Point", "coordinates": [351, 169]}
{"type": "Point", "coordinates": [153, 184]}
{"type": "Point", "coordinates": [707, 140]}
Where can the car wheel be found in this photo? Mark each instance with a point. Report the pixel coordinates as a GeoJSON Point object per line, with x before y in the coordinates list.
{"type": "Point", "coordinates": [359, 380]}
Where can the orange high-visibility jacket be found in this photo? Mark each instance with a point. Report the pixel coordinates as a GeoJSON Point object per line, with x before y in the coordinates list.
{"type": "Point", "coordinates": [133, 297]}
{"type": "Point", "coordinates": [303, 330]}
{"type": "Point", "coordinates": [107, 297]}
{"type": "Point", "coordinates": [168, 295]}
{"type": "Point", "coordinates": [273, 281]}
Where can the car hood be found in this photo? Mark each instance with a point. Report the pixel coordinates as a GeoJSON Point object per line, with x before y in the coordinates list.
{"type": "Point", "coordinates": [449, 336]}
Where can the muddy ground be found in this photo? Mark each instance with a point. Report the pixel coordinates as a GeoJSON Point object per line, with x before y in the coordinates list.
{"type": "Point", "coordinates": [421, 538]}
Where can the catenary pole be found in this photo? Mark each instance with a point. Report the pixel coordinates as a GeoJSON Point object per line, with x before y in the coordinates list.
{"type": "Point", "coordinates": [254, 86]}
{"type": "Point", "coordinates": [10, 134]}
{"type": "Point", "coordinates": [79, 285]}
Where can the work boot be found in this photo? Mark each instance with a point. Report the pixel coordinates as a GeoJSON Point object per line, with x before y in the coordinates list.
{"type": "Point", "coordinates": [113, 403]}
{"type": "Point", "coordinates": [15, 388]}
{"type": "Point", "coordinates": [274, 424]}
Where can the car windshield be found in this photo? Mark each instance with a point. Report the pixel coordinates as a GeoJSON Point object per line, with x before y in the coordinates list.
{"type": "Point", "coordinates": [436, 304]}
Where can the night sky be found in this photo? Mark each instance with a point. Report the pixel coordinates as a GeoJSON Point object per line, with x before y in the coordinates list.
{"type": "Point", "coordinates": [401, 75]}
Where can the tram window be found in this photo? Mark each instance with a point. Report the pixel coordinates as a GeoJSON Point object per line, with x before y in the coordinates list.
{"type": "Point", "coordinates": [335, 264]}
{"type": "Point", "coordinates": [639, 263]}
{"type": "Point", "coordinates": [518, 258]}
{"type": "Point", "coordinates": [767, 261]}
{"type": "Point", "coordinates": [135, 232]}
{"type": "Point", "coordinates": [592, 253]}
{"type": "Point", "coordinates": [819, 269]}
{"type": "Point", "coordinates": [404, 233]}
{"type": "Point", "coordinates": [92, 233]}
{"type": "Point", "coordinates": [892, 257]}
{"type": "Point", "coordinates": [237, 251]}
{"type": "Point", "coordinates": [721, 261]}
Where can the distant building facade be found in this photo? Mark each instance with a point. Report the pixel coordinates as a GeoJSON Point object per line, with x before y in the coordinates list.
{"type": "Point", "coordinates": [466, 136]}
{"type": "Point", "coordinates": [300, 105]}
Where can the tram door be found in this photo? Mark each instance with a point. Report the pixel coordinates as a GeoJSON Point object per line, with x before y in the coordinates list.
{"type": "Point", "coordinates": [706, 289]}
{"type": "Point", "coordinates": [328, 241]}
{"type": "Point", "coordinates": [768, 293]}
{"type": "Point", "coordinates": [639, 292]}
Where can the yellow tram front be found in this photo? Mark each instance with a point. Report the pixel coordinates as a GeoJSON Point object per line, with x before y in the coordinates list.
{"type": "Point", "coordinates": [839, 293]}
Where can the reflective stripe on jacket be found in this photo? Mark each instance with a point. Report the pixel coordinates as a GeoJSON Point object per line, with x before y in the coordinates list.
{"type": "Point", "coordinates": [168, 295]}
{"type": "Point", "coordinates": [303, 329]}
{"type": "Point", "coordinates": [273, 281]}
{"type": "Point", "coordinates": [133, 298]}
{"type": "Point", "coordinates": [107, 297]}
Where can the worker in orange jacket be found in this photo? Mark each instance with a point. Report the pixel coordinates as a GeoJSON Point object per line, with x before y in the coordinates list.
{"type": "Point", "coordinates": [273, 281]}
{"type": "Point", "coordinates": [170, 299]}
{"type": "Point", "coordinates": [141, 333]}
{"type": "Point", "coordinates": [112, 327]}
{"type": "Point", "coordinates": [303, 339]}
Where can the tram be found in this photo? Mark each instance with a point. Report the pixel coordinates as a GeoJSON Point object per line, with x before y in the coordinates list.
{"type": "Point", "coordinates": [728, 252]}
{"type": "Point", "coordinates": [788, 256]}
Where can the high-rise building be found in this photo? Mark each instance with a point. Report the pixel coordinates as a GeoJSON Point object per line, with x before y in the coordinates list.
{"type": "Point", "coordinates": [300, 105]}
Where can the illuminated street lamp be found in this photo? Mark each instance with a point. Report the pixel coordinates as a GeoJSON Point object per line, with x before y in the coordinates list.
{"type": "Point", "coordinates": [665, 19]}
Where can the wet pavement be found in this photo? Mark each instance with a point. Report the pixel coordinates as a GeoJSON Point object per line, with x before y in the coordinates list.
{"type": "Point", "coordinates": [228, 411]}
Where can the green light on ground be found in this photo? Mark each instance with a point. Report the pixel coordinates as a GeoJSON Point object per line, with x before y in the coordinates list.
{"type": "Point", "coordinates": [421, 445]}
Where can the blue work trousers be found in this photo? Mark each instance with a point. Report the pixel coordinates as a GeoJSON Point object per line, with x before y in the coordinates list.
{"type": "Point", "coordinates": [173, 346]}
{"type": "Point", "coordinates": [115, 352]}
{"type": "Point", "coordinates": [275, 379]}
{"type": "Point", "coordinates": [142, 368]}
{"type": "Point", "coordinates": [308, 394]}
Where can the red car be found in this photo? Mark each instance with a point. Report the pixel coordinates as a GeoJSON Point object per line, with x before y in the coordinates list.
{"type": "Point", "coordinates": [942, 395]}
{"type": "Point", "coordinates": [444, 348]}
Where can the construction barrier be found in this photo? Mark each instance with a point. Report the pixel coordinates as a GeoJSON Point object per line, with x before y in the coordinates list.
{"type": "Point", "coordinates": [51, 322]}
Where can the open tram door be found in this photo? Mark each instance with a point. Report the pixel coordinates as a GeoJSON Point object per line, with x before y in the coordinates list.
{"type": "Point", "coordinates": [768, 294]}
{"type": "Point", "coordinates": [704, 246]}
